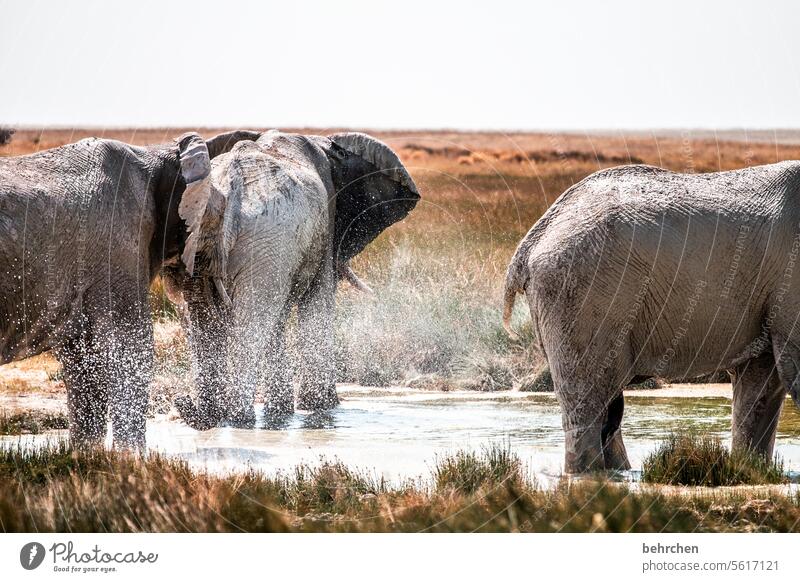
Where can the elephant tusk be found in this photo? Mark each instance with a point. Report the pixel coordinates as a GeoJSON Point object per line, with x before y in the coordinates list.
{"type": "Point", "coordinates": [346, 273]}
{"type": "Point", "coordinates": [222, 292]}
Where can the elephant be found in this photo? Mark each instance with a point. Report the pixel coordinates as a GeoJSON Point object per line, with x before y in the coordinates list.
{"type": "Point", "coordinates": [285, 215]}
{"type": "Point", "coordinates": [639, 272]}
{"type": "Point", "coordinates": [84, 229]}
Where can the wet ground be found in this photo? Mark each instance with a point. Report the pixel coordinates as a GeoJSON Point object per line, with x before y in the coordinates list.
{"type": "Point", "coordinates": [397, 432]}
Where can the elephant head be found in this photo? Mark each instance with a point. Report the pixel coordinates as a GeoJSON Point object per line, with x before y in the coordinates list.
{"type": "Point", "coordinates": [342, 191]}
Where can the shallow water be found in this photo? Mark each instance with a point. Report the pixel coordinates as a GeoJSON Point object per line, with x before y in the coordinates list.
{"type": "Point", "coordinates": [397, 433]}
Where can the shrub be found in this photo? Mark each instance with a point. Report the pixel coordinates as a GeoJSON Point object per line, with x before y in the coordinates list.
{"type": "Point", "coordinates": [331, 487]}
{"type": "Point", "coordinates": [692, 459]}
{"type": "Point", "coordinates": [5, 135]}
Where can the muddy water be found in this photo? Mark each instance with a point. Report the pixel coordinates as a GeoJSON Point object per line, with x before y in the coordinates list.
{"type": "Point", "coordinates": [398, 433]}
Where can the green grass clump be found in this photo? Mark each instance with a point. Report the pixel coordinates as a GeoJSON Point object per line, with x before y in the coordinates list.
{"type": "Point", "coordinates": [692, 459]}
{"type": "Point", "coordinates": [468, 471]}
{"type": "Point", "coordinates": [31, 422]}
{"type": "Point", "coordinates": [330, 486]}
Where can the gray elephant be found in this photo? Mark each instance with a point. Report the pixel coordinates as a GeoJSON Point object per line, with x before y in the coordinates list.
{"type": "Point", "coordinates": [283, 218]}
{"type": "Point", "coordinates": [640, 272]}
{"type": "Point", "coordinates": [84, 229]}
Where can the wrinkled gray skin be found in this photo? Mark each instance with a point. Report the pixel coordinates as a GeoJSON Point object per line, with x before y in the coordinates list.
{"type": "Point", "coordinates": [639, 272]}
{"type": "Point", "coordinates": [285, 215]}
{"type": "Point", "coordinates": [84, 228]}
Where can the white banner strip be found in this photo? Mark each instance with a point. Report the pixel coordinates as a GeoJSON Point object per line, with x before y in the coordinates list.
{"type": "Point", "coordinates": [371, 557]}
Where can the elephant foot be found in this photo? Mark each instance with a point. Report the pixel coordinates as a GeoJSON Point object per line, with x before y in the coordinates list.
{"type": "Point", "coordinates": [243, 418]}
{"type": "Point", "coordinates": [83, 443]}
{"type": "Point", "coordinates": [197, 418]}
{"type": "Point", "coordinates": [280, 403]}
{"type": "Point", "coordinates": [584, 450]}
{"type": "Point", "coordinates": [319, 420]}
{"type": "Point", "coordinates": [615, 456]}
{"type": "Point", "coordinates": [134, 444]}
{"type": "Point", "coordinates": [278, 414]}
{"type": "Point", "coordinates": [317, 398]}
{"type": "Point", "coordinates": [129, 439]}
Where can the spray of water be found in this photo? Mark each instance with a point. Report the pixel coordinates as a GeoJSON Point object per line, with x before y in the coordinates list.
{"type": "Point", "coordinates": [427, 325]}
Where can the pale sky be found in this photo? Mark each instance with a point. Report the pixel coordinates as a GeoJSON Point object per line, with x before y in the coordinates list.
{"type": "Point", "coordinates": [402, 64]}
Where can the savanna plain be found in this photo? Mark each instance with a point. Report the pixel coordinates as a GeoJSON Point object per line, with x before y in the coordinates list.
{"type": "Point", "coordinates": [432, 332]}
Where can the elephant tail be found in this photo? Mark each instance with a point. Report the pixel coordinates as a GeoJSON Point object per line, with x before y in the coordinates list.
{"type": "Point", "coordinates": [516, 279]}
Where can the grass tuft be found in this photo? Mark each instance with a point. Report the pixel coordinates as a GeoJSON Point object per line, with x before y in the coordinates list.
{"type": "Point", "coordinates": [31, 422]}
{"type": "Point", "coordinates": [469, 471]}
{"type": "Point", "coordinates": [329, 487]}
{"type": "Point", "coordinates": [691, 459]}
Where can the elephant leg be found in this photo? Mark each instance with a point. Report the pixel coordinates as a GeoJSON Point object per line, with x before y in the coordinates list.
{"type": "Point", "coordinates": [245, 376]}
{"type": "Point", "coordinates": [588, 385]}
{"type": "Point", "coordinates": [280, 392]}
{"type": "Point", "coordinates": [130, 358]}
{"type": "Point", "coordinates": [582, 417]}
{"type": "Point", "coordinates": [583, 447]}
{"type": "Point", "coordinates": [315, 338]}
{"type": "Point", "coordinates": [207, 333]}
{"type": "Point", "coordinates": [121, 326]}
{"type": "Point", "coordinates": [614, 454]}
{"type": "Point", "coordinates": [87, 392]}
{"type": "Point", "coordinates": [257, 333]}
{"type": "Point", "coordinates": [758, 396]}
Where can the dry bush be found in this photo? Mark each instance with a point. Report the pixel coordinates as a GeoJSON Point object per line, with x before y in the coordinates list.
{"type": "Point", "coordinates": [6, 134]}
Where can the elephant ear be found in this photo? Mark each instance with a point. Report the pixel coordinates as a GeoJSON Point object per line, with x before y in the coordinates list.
{"type": "Point", "coordinates": [373, 191]}
{"type": "Point", "coordinates": [378, 154]}
{"type": "Point", "coordinates": [195, 166]}
{"type": "Point", "coordinates": [224, 142]}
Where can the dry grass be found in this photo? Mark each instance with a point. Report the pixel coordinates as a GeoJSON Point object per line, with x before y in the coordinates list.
{"type": "Point", "coordinates": [435, 319]}
{"type": "Point", "coordinates": [58, 489]}
{"type": "Point", "coordinates": [439, 274]}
